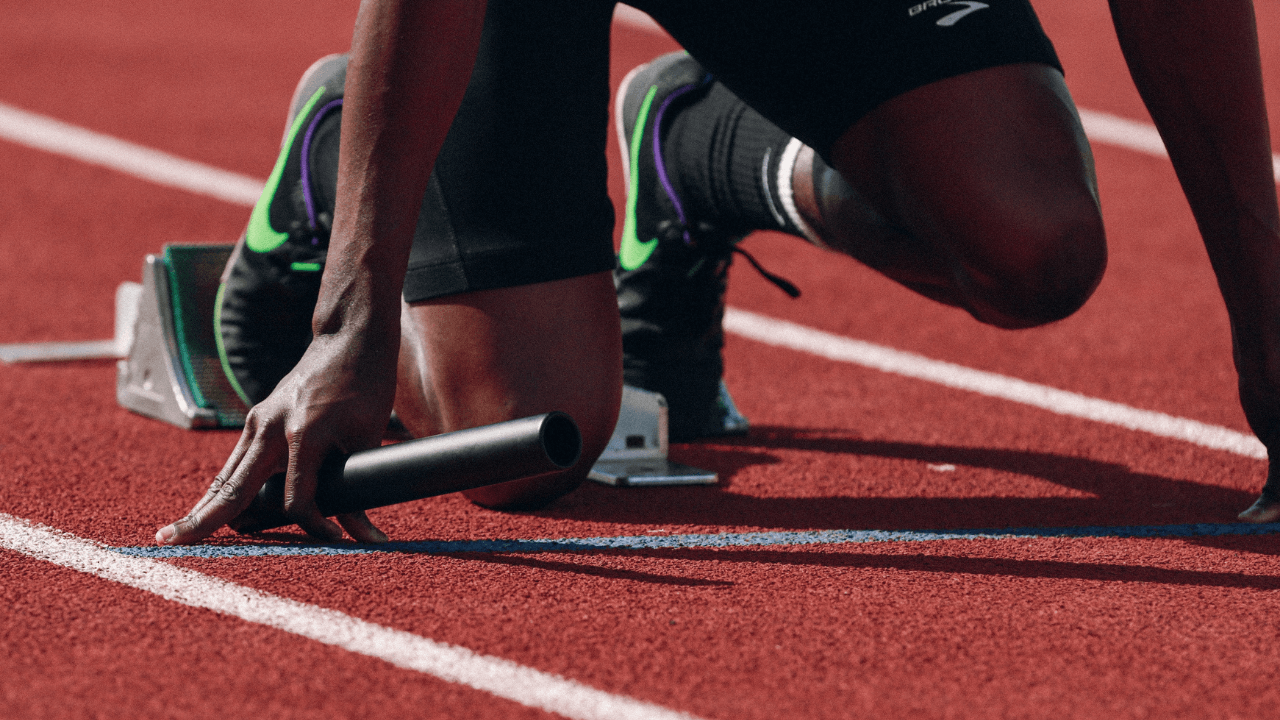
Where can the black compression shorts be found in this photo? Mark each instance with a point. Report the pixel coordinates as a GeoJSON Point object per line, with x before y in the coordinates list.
{"type": "Point", "coordinates": [519, 193]}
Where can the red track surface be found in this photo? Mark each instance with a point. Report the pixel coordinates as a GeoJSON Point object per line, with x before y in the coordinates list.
{"type": "Point", "coordinates": [1004, 628]}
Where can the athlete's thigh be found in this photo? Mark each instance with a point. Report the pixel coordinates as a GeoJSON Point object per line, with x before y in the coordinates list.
{"type": "Point", "coordinates": [950, 118]}
{"type": "Point", "coordinates": [816, 68]}
{"type": "Point", "coordinates": [993, 168]}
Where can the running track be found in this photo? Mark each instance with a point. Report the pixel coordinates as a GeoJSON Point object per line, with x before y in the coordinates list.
{"type": "Point", "coordinates": [883, 545]}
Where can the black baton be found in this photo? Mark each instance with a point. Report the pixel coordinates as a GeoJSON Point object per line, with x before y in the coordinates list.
{"type": "Point", "coordinates": [427, 467]}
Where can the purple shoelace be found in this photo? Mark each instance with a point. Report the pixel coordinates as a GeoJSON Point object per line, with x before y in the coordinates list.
{"type": "Point", "coordinates": [306, 164]}
{"type": "Point", "coordinates": [662, 166]}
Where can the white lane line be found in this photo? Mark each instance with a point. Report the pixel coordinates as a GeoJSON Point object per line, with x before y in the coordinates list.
{"type": "Point", "coordinates": [789, 335]}
{"type": "Point", "coordinates": [60, 138]}
{"type": "Point", "coordinates": [451, 663]}
{"type": "Point", "coordinates": [1115, 130]}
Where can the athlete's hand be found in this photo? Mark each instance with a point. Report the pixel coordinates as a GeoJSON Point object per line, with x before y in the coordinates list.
{"type": "Point", "coordinates": [337, 398]}
{"type": "Point", "coordinates": [1260, 396]}
{"type": "Point", "coordinates": [1252, 291]}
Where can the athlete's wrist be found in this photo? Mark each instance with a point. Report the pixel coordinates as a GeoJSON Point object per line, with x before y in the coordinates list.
{"type": "Point", "coordinates": [358, 301]}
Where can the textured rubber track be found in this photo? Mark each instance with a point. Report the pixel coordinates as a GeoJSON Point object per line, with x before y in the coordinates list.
{"type": "Point", "coordinates": [1052, 627]}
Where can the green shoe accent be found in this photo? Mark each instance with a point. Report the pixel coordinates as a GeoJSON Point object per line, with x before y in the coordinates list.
{"type": "Point", "coordinates": [222, 350]}
{"type": "Point", "coordinates": [261, 237]}
{"type": "Point", "coordinates": [306, 267]}
{"type": "Point", "coordinates": [633, 252]}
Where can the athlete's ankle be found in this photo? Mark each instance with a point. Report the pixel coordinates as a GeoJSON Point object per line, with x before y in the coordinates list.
{"type": "Point", "coordinates": [733, 168]}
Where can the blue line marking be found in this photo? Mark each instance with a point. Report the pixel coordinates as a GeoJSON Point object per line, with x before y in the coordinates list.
{"type": "Point", "coordinates": [720, 540]}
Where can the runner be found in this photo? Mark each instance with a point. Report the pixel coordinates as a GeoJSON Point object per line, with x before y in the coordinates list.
{"type": "Point", "coordinates": [935, 142]}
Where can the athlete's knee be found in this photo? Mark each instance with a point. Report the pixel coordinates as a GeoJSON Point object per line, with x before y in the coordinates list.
{"type": "Point", "coordinates": [1045, 270]}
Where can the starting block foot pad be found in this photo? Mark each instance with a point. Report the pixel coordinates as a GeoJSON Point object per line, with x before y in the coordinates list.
{"type": "Point", "coordinates": [172, 371]}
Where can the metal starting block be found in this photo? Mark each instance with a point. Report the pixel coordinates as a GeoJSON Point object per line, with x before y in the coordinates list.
{"type": "Point", "coordinates": [637, 452]}
{"type": "Point", "coordinates": [170, 369]}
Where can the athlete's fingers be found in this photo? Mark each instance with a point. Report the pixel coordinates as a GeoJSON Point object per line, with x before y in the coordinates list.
{"type": "Point", "coordinates": [215, 487]}
{"type": "Point", "coordinates": [247, 438]}
{"type": "Point", "coordinates": [1263, 510]}
{"type": "Point", "coordinates": [230, 498]}
{"type": "Point", "coordinates": [300, 483]}
{"type": "Point", "coordinates": [361, 528]}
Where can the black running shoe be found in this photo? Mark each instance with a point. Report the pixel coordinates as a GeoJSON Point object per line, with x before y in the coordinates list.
{"type": "Point", "coordinates": [262, 317]}
{"type": "Point", "coordinates": [673, 269]}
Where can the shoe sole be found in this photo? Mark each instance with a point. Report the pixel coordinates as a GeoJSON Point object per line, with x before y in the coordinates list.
{"type": "Point", "coordinates": [619, 113]}
{"type": "Point", "coordinates": [302, 92]}
{"type": "Point", "coordinates": [305, 88]}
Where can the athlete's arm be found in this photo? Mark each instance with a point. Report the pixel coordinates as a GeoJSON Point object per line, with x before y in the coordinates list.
{"type": "Point", "coordinates": [410, 63]}
{"type": "Point", "coordinates": [1196, 65]}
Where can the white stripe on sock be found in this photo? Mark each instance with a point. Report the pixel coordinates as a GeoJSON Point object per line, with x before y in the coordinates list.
{"type": "Point", "coordinates": [768, 194]}
{"type": "Point", "coordinates": [787, 166]}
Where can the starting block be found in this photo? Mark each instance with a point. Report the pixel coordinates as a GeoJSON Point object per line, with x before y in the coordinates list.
{"type": "Point", "coordinates": [637, 451]}
{"type": "Point", "coordinates": [171, 371]}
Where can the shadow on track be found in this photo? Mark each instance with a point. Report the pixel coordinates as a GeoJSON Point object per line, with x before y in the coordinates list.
{"type": "Point", "coordinates": [1121, 496]}
{"type": "Point", "coordinates": [1261, 545]}
{"type": "Point", "coordinates": [578, 568]}
{"type": "Point", "coordinates": [997, 567]}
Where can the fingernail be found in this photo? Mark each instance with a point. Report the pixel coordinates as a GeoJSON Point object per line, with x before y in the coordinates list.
{"type": "Point", "coordinates": [166, 534]}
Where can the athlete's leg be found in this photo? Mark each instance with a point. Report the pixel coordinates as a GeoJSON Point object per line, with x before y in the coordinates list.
{"type": "Point", "coordinates": [951, 156]}
{"type": "Point", "coordinates": [509, 300]}
{"type": "Point", "coordinates": [977, 191]}
{"type": "Point", "coordinates": [495, 355]}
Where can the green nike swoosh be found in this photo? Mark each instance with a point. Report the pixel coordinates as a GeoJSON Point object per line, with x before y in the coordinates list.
{"type": "Point", "coordinates": [632, 253]}
{"type": "Point", "coordinates": [260, 236]}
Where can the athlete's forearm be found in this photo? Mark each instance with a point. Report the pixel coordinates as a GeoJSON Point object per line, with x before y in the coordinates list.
{"type": "Point", "coordinates": [1196, 65]}
{"type": "Point", "coordinates": [410, 63]}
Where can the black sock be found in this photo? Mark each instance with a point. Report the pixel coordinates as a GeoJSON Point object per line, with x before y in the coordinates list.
{"type": "Point", "coordinates": [725, 159]}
